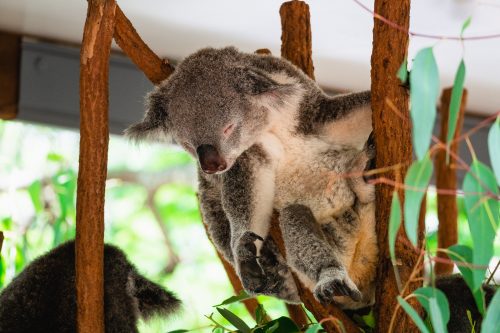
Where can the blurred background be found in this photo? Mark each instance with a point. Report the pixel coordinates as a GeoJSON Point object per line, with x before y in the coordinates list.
{"type": "Point", "coordinates": [151, 206]}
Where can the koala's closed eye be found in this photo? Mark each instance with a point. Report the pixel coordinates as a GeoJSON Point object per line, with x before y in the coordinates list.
{"type": "Point", "coordinates": [228, 130]}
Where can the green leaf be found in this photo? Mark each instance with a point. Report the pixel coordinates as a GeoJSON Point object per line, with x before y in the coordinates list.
{"type": "Point", "coordinates": [482, 213]}
{"type": "Point", "coordinates": [35, 192]}
{"type": "Point", "coordinates": [280, 325]}
{"type": "Point", "coordinates": [463, 254]}
{"type": "Point", "coordinates": [218, 330]}
{"type": "Point", "coordinates": [465, 25]}
{"type": "Point", "coordinates": [455, 101]}
{"type": "Point", "coordinates": [416, 180]}
{"type": "Point", "coordinates": [260, 314]}
{"type": "Point", "coordinates": [424, 91]}
{"type": "Point", "coordinates": [436, 305]}
{"type": "Point", "coordinates": [394, 224]}
{"type": "Point", "coordinates": [234, 320]}
{"type": "Point", "coordinates": [493, 144]}
{"type": "Point", "coordinates": [491, 321]}
{"type": "Point", "coordinates": [413, 315]}
{"type": "Point", "coordinates": [314, 328]}
{"type": "Point", "coordinates": [233, 299]}
{"type": "Point", "coordinates": [471, 321]}
{"type": "Point", "coordinates": [403, 72]}
{"type": "Point", "coordinates": [178, 331]}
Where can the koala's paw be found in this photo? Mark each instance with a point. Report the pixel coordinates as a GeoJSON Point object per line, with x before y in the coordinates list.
{"type": "Point", "coordinates": [251, 273]}
{"type": "Point", "coordinates": [366, 193]}
{"type": "Point", "coordinates": [339, 285]}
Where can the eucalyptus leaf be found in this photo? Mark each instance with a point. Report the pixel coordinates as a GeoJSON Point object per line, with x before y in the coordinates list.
{"type": "Point", "coordinates": [260, 314]}
{"type": "Point", "coordinates": [493, 148]}
{"type": "Point", "coordinates": [465, 25]}
{"type": "Point", "coordinates": [436, 305]}
{"type": "Point", "coordinates": [491, 321]}
{"type": "Point", "coordinates": [455, 102]}
{"type": "Point", "coordinates": [413, 315]}
{"type": "Point", "coordinates": [394, 224]}
{"type": "Point", "coordinates": [233, 299]}
{"type": "Point", "coordinates": [314, 328]}
{"type": "Point", "coordinates": [234, 320]}
{"type": "Point", "coordinates": [462, 254]}
{"type": "Point", "coordinates": [403, 72]}
{"type": "Point", "coordinates": [482, 213]}
{"type": "Point", "coordinates": [280, 325]}
{"type": "Point", "coordinates": [424, 91]}
{"type": "Point", "coordinates": [416, 180]}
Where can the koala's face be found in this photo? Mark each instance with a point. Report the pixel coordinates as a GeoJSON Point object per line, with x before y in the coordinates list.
{"type": "Point", "coordinates": [213, 105]}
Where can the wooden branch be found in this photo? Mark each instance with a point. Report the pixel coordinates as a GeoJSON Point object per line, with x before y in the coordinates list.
{"type": "Point", "coordinates": [10, 60]}
{"type": "Point", "coordinates": [131, 43]}
{"type": "Point", "coordinates": [1, 242]}
{"type": "Point", "coordinates": [94, 137]}
{"type": "Point", "coordinates": [296, 40]}
{"type": "Point", "coordinates": [393, 142]}
{"type": "Point", "coordinates": [446, 178]}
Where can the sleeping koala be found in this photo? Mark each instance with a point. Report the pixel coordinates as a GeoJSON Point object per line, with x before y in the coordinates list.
{"type": "Point", "coordinates": [267, 138]}
{"type": "Point", "coordinates": [42, 298]}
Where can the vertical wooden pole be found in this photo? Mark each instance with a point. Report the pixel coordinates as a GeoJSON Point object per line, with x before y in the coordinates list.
{"type": "Point", "coordinates": [10, 63]}
{"type": "Point", "coordinates": [296, 46]}
{"type": "Point", "coordinates": [94, 137]}
{"type": "Point", "coordinates": [446, 178]}
{"type": "Point", "coordinates": [393, 142]}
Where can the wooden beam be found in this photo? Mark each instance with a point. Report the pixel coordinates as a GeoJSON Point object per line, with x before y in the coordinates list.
{"type": "Point", "coordinates": [155, 68]}
{"type": "Point", "coordinates": [393, 146]}
{"type": "Point", "coordinates": [10, 60]}
{"type": "Point", "coordinates": [94, 137]}
{"type": "Point", "coordinates": [446, 178]}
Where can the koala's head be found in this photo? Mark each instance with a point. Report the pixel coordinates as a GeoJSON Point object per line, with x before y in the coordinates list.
{"type": "Point", "coordinates": [215, 105]}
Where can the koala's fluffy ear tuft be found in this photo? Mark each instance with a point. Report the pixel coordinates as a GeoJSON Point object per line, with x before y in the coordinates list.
{"type": "Point", "coordinates": [263, 89]}
{"type": "Point", "coordinates": [155, 126]}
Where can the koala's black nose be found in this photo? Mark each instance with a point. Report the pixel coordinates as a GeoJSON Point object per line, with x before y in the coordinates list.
{"type": "Point", "coordinates": [210, 160]}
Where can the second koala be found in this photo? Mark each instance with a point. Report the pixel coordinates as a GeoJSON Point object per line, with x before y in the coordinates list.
{"type": "Point", "coordinates": [267, 138]}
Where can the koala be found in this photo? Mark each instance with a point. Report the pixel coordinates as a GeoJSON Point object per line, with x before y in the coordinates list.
{"type": "Point", "coordinates": [268, 138]}
{"type": "Point", "coordinates": [42, 298]}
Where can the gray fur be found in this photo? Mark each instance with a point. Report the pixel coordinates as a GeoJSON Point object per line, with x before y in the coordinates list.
{"type": "Point", "coordinates": [285, 144]}
{"type": "Point", "coordinates": [42, 298]}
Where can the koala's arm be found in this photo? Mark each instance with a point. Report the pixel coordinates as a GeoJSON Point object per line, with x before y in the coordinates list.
{"type": "Point", "coordinates": [248, 198]}
{"type": "Point", "coordinates": [344, 120]}
{"type": "Point", "coordinates": [214, 217]}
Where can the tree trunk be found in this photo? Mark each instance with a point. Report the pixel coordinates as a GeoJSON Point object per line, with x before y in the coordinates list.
{"type": "Point", "coordinates": [446, 178]}
{"type": "Point", "coordinates": [94, 137]}
{"type": "Point", "coordinates": [393, 141]}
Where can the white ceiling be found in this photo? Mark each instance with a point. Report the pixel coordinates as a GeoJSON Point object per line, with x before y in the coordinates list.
{"type": "Point", "coordinates": [342, 34]}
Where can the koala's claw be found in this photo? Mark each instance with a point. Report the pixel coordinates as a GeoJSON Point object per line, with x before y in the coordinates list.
{"type": "Point", "coordinates": [326, 289]}
{"type": "Point", "coordinates": [252, 275]}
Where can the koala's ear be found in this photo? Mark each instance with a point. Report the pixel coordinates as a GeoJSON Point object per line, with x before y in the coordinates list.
{"type": "Point", "coordinates": [263, 89]}
{"type": "Point", "coordinates": [156, 124]}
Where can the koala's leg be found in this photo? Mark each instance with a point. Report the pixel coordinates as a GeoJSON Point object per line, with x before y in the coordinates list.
{"type": "Point", "coordinates": [311, 255]}
{"type": "Point", "coordinates": [280, 282]}
{"type": "Point", "coordinates": [247, 198]}
{"type": "Point", "coordinates": [214, 217]}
